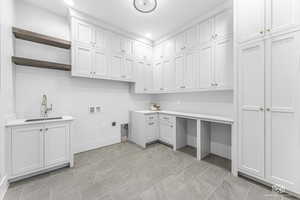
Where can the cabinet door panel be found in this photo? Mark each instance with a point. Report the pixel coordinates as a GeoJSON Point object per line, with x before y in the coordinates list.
{"type": "Point", "coordinates": [166, 132]}
{"type": "Point", "coordinates": [282, 120]}
{"type": "Point", "coordinates": [128, 68]}
{"type": "Point", "coordinates": [179, 72]}
{"type": "Point", "coordinates": [83, 32]}
{"type": "Point", "coordinates": [127, 46]}
{"type": "Point", "coordinates": [168, 75]}
{"type": "Point", "coordinates": [148, 76]}
{"type": "Point", "coordinates": [158, 52]}
{"type": "Point", "coordinates": [116, 66]}
{"type": "Point", "coordinates": [169, 49]}
{"type": "Point", "coordinates": [100, 64]}
{"type": "Point", "coordinates": [284, 14]}
{"type": "Point", "coordinates": [158, 77]}
{"type": "Point", "coordinates": [223, 24]}
{"type": "Point", "coordinates": [83, 61]}
{"type": "Point", "coordinates": [191, 69]}
{"type": "Point", "coordinates": [250, 19]}
{"type": "Point", "coordinates": [205, 70]}
{"type": "Point", "coordinates": [180, 43]}
{"type": "Point", "coordinates": [251, 129]}
{"type": "Point", "coordinates": [101, 39]}
{"type": "Point", "coordinates": [223, 63]}
{"type": "Point", "coordinates": [205, 32]}
{"type": "Point", "coordinates": [152, 131]}
{"type": "Point", "coordinates": [27, 150]}
{"type": "Point", "coordinates": [56, 145]}
{"type": "Point", "coordinates": [139, 74]}
{"type": "Point", "coordinates": [192, 37]}
{"type": "Point", "coordinates": [116, 44]}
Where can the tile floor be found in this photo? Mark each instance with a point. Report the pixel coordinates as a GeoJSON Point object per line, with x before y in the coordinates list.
{"type": "Point", "coordinates": [127, 172]}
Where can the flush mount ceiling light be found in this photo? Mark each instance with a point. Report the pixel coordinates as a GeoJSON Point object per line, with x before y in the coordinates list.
{"type": "Point", "coordinates": [145, 6]}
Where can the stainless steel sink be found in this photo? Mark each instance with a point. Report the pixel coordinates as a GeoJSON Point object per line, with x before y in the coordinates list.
{"type": "Point", "coordinates": [43, 119]}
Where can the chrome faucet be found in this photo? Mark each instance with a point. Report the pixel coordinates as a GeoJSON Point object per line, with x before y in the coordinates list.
{"type": "Point", "coordinates": [44, 107]}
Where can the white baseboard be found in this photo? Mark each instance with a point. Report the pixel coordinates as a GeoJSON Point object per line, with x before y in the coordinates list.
{"type": "Point", "coordinates": [3, 187]}
{"type": "Point", "coordinates": [96, 145]}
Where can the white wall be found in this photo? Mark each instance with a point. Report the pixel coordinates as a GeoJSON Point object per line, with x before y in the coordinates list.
{"type": "Point", "coordinates": [69, 95]}
{"type": "Point", "coordinates": [6, 80]}
{"type": "Point", "coordinates": [215, 103]}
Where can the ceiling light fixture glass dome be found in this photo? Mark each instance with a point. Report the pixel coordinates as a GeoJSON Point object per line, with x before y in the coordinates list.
{"type": "Point", "coordinates": [145, 6]}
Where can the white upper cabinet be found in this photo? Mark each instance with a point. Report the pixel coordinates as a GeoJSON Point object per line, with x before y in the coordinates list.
{"type": "Point", "coordinates": [250, 19]}
{"type": "Point", "coordinates": [179, 72]}
{"type": "Point", "coordinates": [204, 75]}
{"type": "Point", "coordinates": [158, 76]}
{"type": "Point", "coordinates": [101, 39]}
{"type": "Point", "coordinates": [223, 24]}
{"type": "Point", "coordinates": [169, 49]}
{"type": "Point", "coordinates": [180, 44]}
{"type": "Point", "coordinates": [192, 37]}
{"type": "Point", "coordinates": [127, 69]}
{"type": "Point", "coordinates": [148, 77]}
{"type": "Point", "coordinates": [116, 66]}
{"type": "Point", "coordinates": [158, 52]}
{"type": "Point", "coordinates": [223, 64]}
{"type": "Point", "coordinates": [100, 66]}
{"type": "Point", "coordinates": [205, 32]}
{"type": "Point", "coordinates": [257, 18]}
{"type": "Point", "coordinates": [282, 14]}
{"type": "Point", "coordinates": [192, 66]}
{"type": "Point", "coordinates": [127, 46]}
{"type": "Point", "coordinates": [116, 44]}
{"type": "Point", "coordinates": [83, 32]}
{"type": "Point", "coordinates": [82, 60]}
{"type": "Point", "coordinates": [168, 75]}
{"type": "Point", "coordinates": [142, 51]}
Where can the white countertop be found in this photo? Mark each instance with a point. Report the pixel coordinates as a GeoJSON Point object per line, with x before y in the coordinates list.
{"type": "Point", "coordinates": [21, 122]}
{"type": "Point", "coordinates": [213, 118]}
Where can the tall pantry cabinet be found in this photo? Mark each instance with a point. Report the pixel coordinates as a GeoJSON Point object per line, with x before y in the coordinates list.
{"type": "Point", "coordinates": [268, 64]}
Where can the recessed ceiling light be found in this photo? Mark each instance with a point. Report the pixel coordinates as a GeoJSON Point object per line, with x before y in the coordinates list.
{"type": "Point", "coordinates": [69, 2]}
{"type": "Point", "coordinates": [148, 35]}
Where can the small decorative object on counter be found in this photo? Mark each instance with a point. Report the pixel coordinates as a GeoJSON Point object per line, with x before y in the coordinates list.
{"type": "Point", "coordinates": [155, 107]}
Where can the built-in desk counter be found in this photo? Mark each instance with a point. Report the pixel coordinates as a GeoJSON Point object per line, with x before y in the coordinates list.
{"type": "Point", "coordinates": [143, 129]}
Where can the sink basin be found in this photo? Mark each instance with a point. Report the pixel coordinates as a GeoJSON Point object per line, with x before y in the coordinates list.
{"type": "Point", "coordinates": [43, 119]}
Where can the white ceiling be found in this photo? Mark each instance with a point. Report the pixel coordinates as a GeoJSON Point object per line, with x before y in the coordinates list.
{"type": "Point", "coordinates": [169, 15]}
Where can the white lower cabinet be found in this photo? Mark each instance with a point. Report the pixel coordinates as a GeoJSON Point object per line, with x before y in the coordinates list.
{"type": "Point", "coordinates": [147, 127]}
{"type": "Point", "coordinates": [27, 150]}
{"type": "Point", "coordinates": [34, 148]}
{"type": "Point", "coordinates": [269, 82]}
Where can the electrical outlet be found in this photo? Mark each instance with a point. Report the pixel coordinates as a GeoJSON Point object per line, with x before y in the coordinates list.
{"type": "Point", "coordinates": [98, 109]}
{"type": "Point", "coordinates": [92, 109]}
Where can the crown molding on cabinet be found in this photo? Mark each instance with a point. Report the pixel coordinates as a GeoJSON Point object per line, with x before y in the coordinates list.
{"type": "Point", "coordinates": [97, 22]}
{"type": "Point", "coordinates": [217, 10]}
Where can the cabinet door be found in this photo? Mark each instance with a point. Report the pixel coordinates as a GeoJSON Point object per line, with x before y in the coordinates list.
{"type": "Point", "coordinates": [139, 50]}
{"type": "Point", "coordinates": [158, 52]}
{"type": "Point", "coordinates": [251, 129]}
{"type": "Point", "coordinates": [139, 77]}
{"type": "Point", "coordinates": [168, 75]}
{"type": "Point", "coordinates": [127, 70]}
{"type": "Point", "coordinates": [83, 32]}
{"type": "Point", "coordinates": [282, 14]}
{"type": "Point", "coordinates": [169, 49]}
{"type": "Point", "coordinates": [56, 145]}
{"type": "Point", "coordinates": [83, 57]}
{"type": "Point", "coordinates": [27, 150]}
{"type": "Point", "coordinates": [192, 37]}
{"type": "Point", "coordinates": [148, 77]}
{"type": "Point", "coordinates": [127, 46]}
{"type": "Point", "coordinates": [223, 64]}
{"type": "Point", "coordinates": [166, 132]}
{"type": "Point", "coordinates": [205, 32]}
{"type": "Point", "coordinates": [250, 19]}
{"type": "Point", "coordinates": [179, 72]}
{"type": "Point", "coordinates": [116, 65]}
{"type": "Point", "coordinates": [101, 39]}
{"type": "Point", "coordinates": [191, 69]}
{"type": "Point", "coordinates": [282, 114]}
{"type": "Point", "coordinates": [223, 24]}
{"type": "Point", "coordinates": [158, 77]}
{"type": "Point", "coordinates": [152, 131]}
{"type": "Point", "coordinates": [205, 70]}
{"type": "Point", "coordinates": [180, 43]}
{"type": "Point", "coordinates": [100, 67]}
{"type": "Point", "coordinates": [116, 44]}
